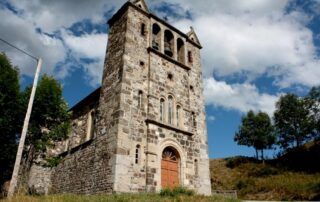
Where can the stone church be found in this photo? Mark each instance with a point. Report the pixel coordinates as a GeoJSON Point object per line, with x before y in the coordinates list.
{"type": "Point", "coordinates": [144, 129]}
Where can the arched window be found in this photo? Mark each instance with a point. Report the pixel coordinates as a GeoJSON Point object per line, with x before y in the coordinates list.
{"type": "Point", "coordinates": [168, 43]}
{"type": "Point", "coordinates": [170, 109]}
{"type": "Point", "coordinates": [140, 96]}
{"type": "Point", "coordinates": [162, 109]}
{"type": "Point", "coordinates": [156, 38]}
{"type": "Point", "coordinates": [196, 167]}
{"type": "Point", "coordinates": [143, 29]}
{"type": "Point", "coordinates": [178, 111]}
{"type": "Point", "coordinates": [138, 153]}
{"type": "Point", "coordinates": [180, 51]}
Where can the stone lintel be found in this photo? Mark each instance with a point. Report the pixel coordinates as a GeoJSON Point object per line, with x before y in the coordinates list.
{"type": "Point", "coordinates": [151, 153]}
{"type": "Point", "coordinates": [170, 127]}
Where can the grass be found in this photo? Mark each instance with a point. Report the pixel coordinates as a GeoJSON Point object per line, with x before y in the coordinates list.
{"type": "Point", "coordinates": [118, 198]}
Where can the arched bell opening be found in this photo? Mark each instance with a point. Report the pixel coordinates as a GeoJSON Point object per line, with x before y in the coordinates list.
{"type": "Point", "coordinates": [156, 38]}
{"type": "Point", "coordinates": [181, 51]}
{"type": "Point", "coordinates": [168, 43]}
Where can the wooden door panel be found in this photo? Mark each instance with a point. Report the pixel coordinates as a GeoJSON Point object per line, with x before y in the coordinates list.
{"type": "Point", "coordinates": [169, 173]}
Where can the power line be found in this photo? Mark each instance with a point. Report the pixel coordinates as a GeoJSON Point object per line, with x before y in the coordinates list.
{"type": "Point", "coordinates": [13, 46]}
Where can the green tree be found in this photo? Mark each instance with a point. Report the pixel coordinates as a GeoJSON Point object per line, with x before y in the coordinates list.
{"type": "Point", "coordinates": [256, 130]}
{"type": "Point", "coordinates": [292, 121]}
{"type": "Point", "coordinates": [10, 119]}
{"type": "Point", "coordinates": [50, 119]}
{"type": "Point", "coordinates": [313, 101]}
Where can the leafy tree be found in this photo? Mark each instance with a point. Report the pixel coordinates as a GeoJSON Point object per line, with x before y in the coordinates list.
{"type": "Point", "coordinates": [292, 121]}
{"type": "Point", "coordinates": [10, 119]}
{"type": "Point", "coordinates": [313, 103]}
{"type": "Point", "coordinates": [256, 131]}
{"type": "Point", "coordinates": [50, 119]}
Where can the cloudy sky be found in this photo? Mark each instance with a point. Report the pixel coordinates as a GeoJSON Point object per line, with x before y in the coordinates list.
{"type": "Point", "coordinates": [254, 50]}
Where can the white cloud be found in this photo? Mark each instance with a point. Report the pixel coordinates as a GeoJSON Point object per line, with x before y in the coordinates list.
{"type": "Point", "coordinates": [255, 37]}
{"type": "Point", "coordinates": [87, 45]}
{"type": "Point", "coordinates": [22, 33]}
{"type": "Point", "coordinates": [91, 46]}
{"type": "Point", "coordinates": [53, 15]}
{"type": "Point", "coordinates": [240, 97]}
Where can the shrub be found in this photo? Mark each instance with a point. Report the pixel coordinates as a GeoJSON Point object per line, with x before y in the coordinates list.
{"type": "Point", "coordinates": [176, 192]}
{"type": "Point", "coordinates": [53, 161]}
{"type": "Point", "coordinates": [264, 172]}
{"type": "Point", "coordinates": [237, 161]}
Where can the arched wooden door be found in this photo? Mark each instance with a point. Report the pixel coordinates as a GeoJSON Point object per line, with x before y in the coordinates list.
{"type": "Point", "coordinates": [170, 168]}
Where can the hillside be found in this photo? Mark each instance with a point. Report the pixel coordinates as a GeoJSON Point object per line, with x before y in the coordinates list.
{"type": "Point", "coordinates": [293, 176]}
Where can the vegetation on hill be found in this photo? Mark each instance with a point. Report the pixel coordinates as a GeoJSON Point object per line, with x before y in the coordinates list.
{"type": "Point", "coordinates": [293, 176]}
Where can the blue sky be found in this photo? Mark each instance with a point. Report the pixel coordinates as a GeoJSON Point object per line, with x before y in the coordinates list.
{"type": "Point", "coordinates": [254, 51]}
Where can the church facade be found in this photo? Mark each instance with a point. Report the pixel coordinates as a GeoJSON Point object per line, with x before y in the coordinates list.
{"type": "Point", "coordinates": [144, 129]}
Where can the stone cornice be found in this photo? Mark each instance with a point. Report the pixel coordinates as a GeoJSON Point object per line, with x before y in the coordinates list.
{"type": "Point", "coordinates": [170, 127]}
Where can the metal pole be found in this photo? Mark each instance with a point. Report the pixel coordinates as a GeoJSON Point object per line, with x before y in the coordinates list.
{"type": "Point", "coordinates": [14, 178]}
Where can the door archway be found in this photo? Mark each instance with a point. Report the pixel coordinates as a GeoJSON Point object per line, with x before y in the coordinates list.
{"type": "Point", "coordinates": [170, 168]}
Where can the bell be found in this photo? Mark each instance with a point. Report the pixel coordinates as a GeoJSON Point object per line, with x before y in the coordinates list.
{"type": "Point", "coordinates": [167, 50]}
{"type": "Point", "coordinates": [155, 45]}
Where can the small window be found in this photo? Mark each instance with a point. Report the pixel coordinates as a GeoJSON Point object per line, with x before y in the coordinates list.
{"type": "Point", "coordinates": [162, 109]}
{"type": "Point", "coordinates": [138, 153]}
{"type": "Point", "coordinates": [196, 167]}
{"type": "Point", "coordinates": [140, 96]}
{"type": "Point", "coordinates": [143, 29]}
{"type": "Point", "coordinates": [170, 76]}
{"type": "Point", "coordinates": [190, 58]}
{"type": "Point", "coordinates": [141, 63]}
{"type": "Point", "coordinates": [191, 88]}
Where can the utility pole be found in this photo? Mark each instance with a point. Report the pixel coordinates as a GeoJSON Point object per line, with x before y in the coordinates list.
{"type": "Point", "coordinates": [14, 178]}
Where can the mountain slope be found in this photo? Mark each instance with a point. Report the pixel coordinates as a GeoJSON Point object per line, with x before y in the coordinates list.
{"type": "Point", "coordinates": [293, 176]}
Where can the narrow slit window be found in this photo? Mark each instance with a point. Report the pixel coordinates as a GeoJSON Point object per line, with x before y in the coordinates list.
{"type": "Point", "coordinates": [162, 109]}
{"type": "Point", "coordinates": [196, 167]}
{"type": "Point", "coordinates": [140, 95]}
{"type": "Point", "coordinates": [193, 120]}
{"type": "Point", "coordinates": [190, 58]}
{"type": "Point", "coordinates": [170, 110]}
{"type": "Point", "coordinates": [137, 155]}
{"type": "Point", "coordinates": [178, 115]}
{"type": "Point", "coordinates": [143, 29]}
